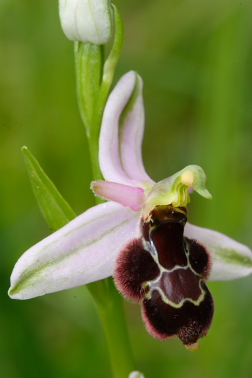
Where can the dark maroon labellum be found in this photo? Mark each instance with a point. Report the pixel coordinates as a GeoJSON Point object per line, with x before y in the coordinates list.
{"type": "Point", "coordinates": [166, 272]}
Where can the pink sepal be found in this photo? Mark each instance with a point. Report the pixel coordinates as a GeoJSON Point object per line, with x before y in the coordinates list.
{"type": "Point", "coordinates": [83, 251]}
{"type": "Point", "coordinates": [230, 259]}
{"type": "Point", "coordinates": [120, 154]}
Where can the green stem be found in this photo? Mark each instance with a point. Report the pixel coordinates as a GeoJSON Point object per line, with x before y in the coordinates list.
{"type": "Point", "coordinates": [110, 307]}
{"type": "Point", "coordinates": [109, 304]}
{"type": "Point", "coordinates": [93, 85]}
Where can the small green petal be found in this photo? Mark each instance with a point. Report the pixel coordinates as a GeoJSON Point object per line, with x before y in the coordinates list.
{"type": "Point", "coordinates": [174, 190]}
{"type": "Point", "coordinates": [53, 207]}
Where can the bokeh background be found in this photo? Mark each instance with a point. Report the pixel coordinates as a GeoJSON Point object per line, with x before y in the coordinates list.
{"type": "Point", "coordinates": [195, 57]}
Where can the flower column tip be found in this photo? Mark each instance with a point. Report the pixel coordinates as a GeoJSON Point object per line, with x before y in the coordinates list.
{"type": "Point", "coordinates": [174, 189]}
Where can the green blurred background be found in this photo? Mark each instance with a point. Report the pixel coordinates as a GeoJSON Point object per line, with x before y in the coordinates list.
{"type": "Point", "coordinates": [195, 57]}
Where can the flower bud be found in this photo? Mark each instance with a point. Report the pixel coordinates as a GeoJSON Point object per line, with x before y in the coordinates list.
{"type": "Point", "coordinates": [136, 374]}
{"type": "Point", "coordinates": [86, 20]}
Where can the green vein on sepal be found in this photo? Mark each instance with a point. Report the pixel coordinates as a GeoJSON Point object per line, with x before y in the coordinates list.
{"type": "Point", "coordinates": [132, 100]}
{"type": "Point", "coordinates": [30, 277]}
{"type": "Point", "coordinates": [54, 208]}
{"type": "Point", "coordinates": [231, 256]}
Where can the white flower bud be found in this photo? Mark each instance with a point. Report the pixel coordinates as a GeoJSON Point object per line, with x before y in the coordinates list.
{"type": "Point", "coordinates": [136, 374]}
{"type": "Point", "coordinates": [86, 20]}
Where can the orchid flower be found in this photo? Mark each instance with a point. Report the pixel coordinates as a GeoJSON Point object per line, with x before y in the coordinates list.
{"type": "Point", "coordinates": [140, 235]}
{"type": "Point", "coordinates": [86, 20]}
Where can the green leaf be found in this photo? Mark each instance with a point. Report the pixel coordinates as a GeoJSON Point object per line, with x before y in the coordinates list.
{"type": "Point", "coordinates": [55, 210]}
{"type": "Point", "coordinates": [111, 61]}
